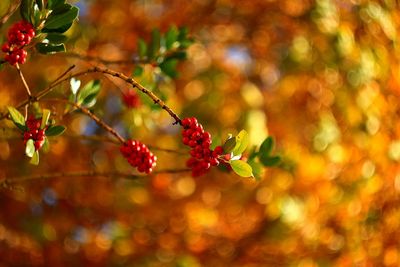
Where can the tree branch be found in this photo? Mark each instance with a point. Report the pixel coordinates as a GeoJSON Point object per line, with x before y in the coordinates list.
{"type": "Point", "coordinates": [63, 74]}
{"type": "Point", "coordinates": [28, 91]}
{"type": "Point", "coordinates": [99, 121]}
{"type": "Point", "coordinates": [25, 178]}
{"type": "Point", "coordinates": [13, 7]}
{"type": "Point", "coordinates": [119, 75]}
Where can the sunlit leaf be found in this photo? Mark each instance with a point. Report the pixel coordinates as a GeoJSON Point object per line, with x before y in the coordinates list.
{"type": "Point", "coordinates": [17, 118]}
{"type": "Point", "coordinates": [30, 148]}
{"type": "Point", "coordinates": [35, 158]}
{"type": "Point", "coordinates": [241, 168]}
{"type": "Point", "coordinates": [242, 141]}
{"type": "Point", "coordinates": [88, 92]}
{"type": "Point", "coordinates": [45, 118]}
{"type": "Point", "coordinates": [257, 169]}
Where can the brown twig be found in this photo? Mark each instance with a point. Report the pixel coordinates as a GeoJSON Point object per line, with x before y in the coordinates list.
{"type": "Point", "coordinates": [119, 75]}
{"type": "Point", "coordinates": [28, 91]}
{"type": "Point", "coordinates": [63, 74]}
{"type": "Point", "coordinates": [25, 178]}
{"type": "Point", "coordinates": [99, 122]}
{"type": "Point", "coordinates": [13, 7]}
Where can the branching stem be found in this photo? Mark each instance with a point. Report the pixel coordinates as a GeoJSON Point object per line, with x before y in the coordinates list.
{"type": "Point", "coordinates": [113, 73]}
{"type": "Point", "coordinates": [99, 121]}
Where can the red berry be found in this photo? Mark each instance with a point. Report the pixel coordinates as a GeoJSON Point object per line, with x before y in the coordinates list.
{"type": "Point", "coordinates": [19, 35]}
{"type": "Point", "coordinates": [202, 158]}
{"type": "Point", "coordinates": [218, 150]}
{"type": "Point", "coordinates": [131, 99]}
{"type": "Point", "coordinates": [214, 162]}
{"type": "Point", "coordinates": [138, 155]}
{"type": "Point", "coordinates": [5, 48]}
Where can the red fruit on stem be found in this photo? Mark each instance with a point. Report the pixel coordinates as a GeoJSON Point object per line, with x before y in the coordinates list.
{"type": "Point", "coordinates": [139, 156]}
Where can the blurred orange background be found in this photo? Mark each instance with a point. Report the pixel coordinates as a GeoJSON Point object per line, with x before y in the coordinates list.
{"type": "Point", "coordinates": [320, 76]}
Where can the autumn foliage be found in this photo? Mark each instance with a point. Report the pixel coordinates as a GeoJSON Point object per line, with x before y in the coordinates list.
{"type": "Point", "coordinates": [288, 156]}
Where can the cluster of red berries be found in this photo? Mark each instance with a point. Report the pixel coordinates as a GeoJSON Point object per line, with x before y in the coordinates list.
{"type": "Point", "coordinates": [202, 157]}
{"type": "Point", "coordinates": [139, 156]}
{"type": "Point", "coordinates": [131, 99]}
{"type": "Point", "coordinates": [34, 132]}
{"type": "Point", "coordinates": [19, 35]}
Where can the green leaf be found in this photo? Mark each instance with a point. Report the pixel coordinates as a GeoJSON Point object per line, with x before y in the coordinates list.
{"type": "Point", "coordinates": [171, 37]}
{"type": "Point", "coordinates": [58, 20]}
{"type": "Point", "coordinates": [184, 41]}
{"type": "Point", "coordinates": [142, 48]}
{"type": "Point", "coordinates": [180, 55]}
{"type": "Point", "coordinates": [55, 130]}
{"type": "Point", "coordinates": [88, 93]}
{"type": "Point", "coordinates": [270, 161]}
{"type": "Point", "coordinates": [58, 30]}
{"type": "Point", "coordinates": [54, 4]}
{"type": "Point", "coordinates": [183, 32]}
{"type": "Point", "coordinates": [56, 38]}
{"type": "Point", "coordinates": [40, 4]}
{"type": "Point", "coordinates": [36, 15]}
{"type": "Point", "coordinates": [155, 44]}
{"type": "Point", "coordinates": [242, 141]}
{"type": "Point", "coordinates": [35, 158]}
{"type": "Point", "coordinates": [17, 118]}
{"type": "Point", "coordinates": [46, 145]}
{"type": "Point", "coordinates": [241, 168]}
{"type": "Point", "coordinates": [257, 169]}
{"type": "Point", "coordinates": [267, 146]}
{"type": "Point", "coordinates": [26, 9]}
{"type": "Point", "coordinates": [30, 148]}
{"type": "Point", "coordinates": [229, 145]}
{"type": "Point", "coordinates": [168, 66]}
{"type": "Point", "coordinates": [45, 118]}
{"type": "Point", "coordinates": [137, 71]}
{"type": "Point", "coordinates": [50, 48]}
{"type": "Point", "coordinates": [253, 153]}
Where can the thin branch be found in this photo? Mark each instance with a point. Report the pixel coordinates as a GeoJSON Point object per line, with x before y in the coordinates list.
{"type": "Point", "coordinates": [119, 75]}
{"type": "Point", "coordinates": [28, 91]}
{"type": "Point", "coordinates": [63, 74]}
{"type": "Point", "coordinates": [13, 7]}
{"type": "Point", "coordinates": [18, 179]}
{"type": "Point", "coordinates": [99, 121]}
